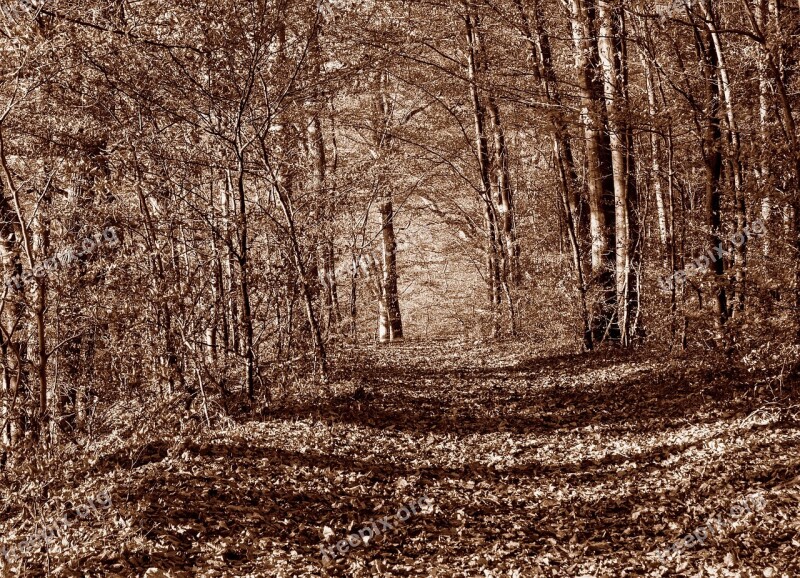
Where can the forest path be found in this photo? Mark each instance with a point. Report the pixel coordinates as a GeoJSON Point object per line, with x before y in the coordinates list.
{"type": "Point", "coordinates": [565, 465]}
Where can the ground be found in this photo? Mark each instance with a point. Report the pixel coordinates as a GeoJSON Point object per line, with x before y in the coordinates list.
{"type": "Point", "coordinates": [536, 463]}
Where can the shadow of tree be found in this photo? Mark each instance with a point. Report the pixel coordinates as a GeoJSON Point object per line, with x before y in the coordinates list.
{"type": "Point", "coordinates": [509, 398]}
{"type": "Point", "coordinates": [229, 504]}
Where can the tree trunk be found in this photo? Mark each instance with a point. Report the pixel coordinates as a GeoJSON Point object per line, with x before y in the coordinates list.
{"type": "Point", "coordinates": [390, 322]}
{"type": "Point", "coordinates": [762, 11]}
{"type": "Point", "coordinates": [42, 242]}
{"type": "Point", "coordinates": [613, 55]}
{"type": "Point", "coordinates": [734, 161]}
{"type": "Point", "coordinates": [509, 246]}
{"type": "Point", "coordinates": [505, 197]}
{"type": "Point", "coordinates": [316, 147]}
{"type": "Point", "coordinates": [244, 279]}
{"type": "Point", "coordinates": [231, 333]}
{"type": "Point", "coordinates": [482, 148]}
{"type": "Point", "coordinates": [712, 152]}
{"type": "Point", "coordinates": [391, 325]}
{"type": "Point", "coordinates": [599, 177]}
{"type": "Point", "coordinates": [10, 347]}
{"type": "Point", "coordinates": [325, 262]}
{"type": "Point", "coordinates": [655, 160]}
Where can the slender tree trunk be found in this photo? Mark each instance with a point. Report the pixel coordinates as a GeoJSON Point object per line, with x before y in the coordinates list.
{"type": "Point", "coordinates": [219, 314]}
{"type": "Point", "coordinates": [505, 197]}
{"type": "Point", "coordinates": [712, 152]}
{"type": "Point", "coordinates": [390, 322]}
{"type": "Point", "coordinates": [734, 161]}
{"type": "Point", "coordinates": [655, 161]}
{"type": "Point", "coordinates": [10, 346]}
{"type": "Point", "coordinates": [507, 244]}
{"type": "Point", "coordinates": [482, 148]}
{"type": "Point", "coordinates": [325, 263]}
{"type": "Point", "coordinates": [316, 146]}
{"type": "Point", "coordinates": [600, 183]}
{"type": "Point", "coordinates": [613, 55]}
{"type": "Point", "coordinates": [671, 255]}
{"type": "Point", "coordinates": [231, 332]}
{"type": "Point", "coordinates": [762, 11]}
{"type": "Point", "coordinates": [42, 240]}
{"type": "Point", "coordinates": [244, 279]}
{"type": "Point", "coordinates": [569, 215]}
{"type": "Point", "coordinates": [509, 247]}
{"type": "Point", "coordinates": [391, 325]}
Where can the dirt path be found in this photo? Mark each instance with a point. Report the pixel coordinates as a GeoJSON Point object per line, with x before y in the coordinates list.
{"type": "Point", "coordinates": [535, 466]}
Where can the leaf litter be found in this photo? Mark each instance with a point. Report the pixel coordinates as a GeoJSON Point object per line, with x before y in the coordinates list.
{"type": "Point", "coordinates": [538, 465]}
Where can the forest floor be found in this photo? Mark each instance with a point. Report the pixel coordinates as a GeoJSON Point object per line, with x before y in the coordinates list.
{"type": "Point", "coordinates": [534, 464]}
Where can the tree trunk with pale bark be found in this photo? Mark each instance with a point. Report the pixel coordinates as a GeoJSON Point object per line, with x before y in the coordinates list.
{"type": "Point", "coordinates": [599, 170]}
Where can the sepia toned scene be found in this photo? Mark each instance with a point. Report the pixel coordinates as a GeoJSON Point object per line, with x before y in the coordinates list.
{"type": "Point", "coordinates": [390, 288]}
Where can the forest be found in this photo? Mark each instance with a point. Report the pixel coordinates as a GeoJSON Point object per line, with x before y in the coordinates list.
{"type": "Point", "coordinates": [498, 288]}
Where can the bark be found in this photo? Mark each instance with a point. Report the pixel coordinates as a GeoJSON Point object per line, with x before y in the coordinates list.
{"type": "Point", "coordinates": [509, 245]}
{"type": "Point", "coordinates": [390, 322]}
{"type": "Point", "coordinates": [662, 205]}
{"type": "Point", "coordinates": [324, 195]}
{"type": "Point", "coordinates": [570, 219]}
{"type": "Point", "coordinates": [493, 265]}
{"type": "Point", "coordinates": [325, 261]}
{"type": "Point", "coordinates": [712, 153]}
{"type": "Point", "coordinates": [10, 346]}
{"type": "Point", "coordinates": [219, 314]}
{"type": "Point", "coordinates": [613, 55]}
{"type": "Point", "coordinates": [734, 160]}
{"type": "Point", "coordinates": [244, 278]}
{"type": "Point", "coordinates": [231, 331]}
{"type": "Point", "coordinates": [762, 10]}
{"type": "Point", "coordinates": [672, 256]}
{"type": "Point", "coordinates": [41, 222]}
{"type": "Point", "coordinates": [599, 179]}
{"type": "Point", "coordinates": [505, 197]}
